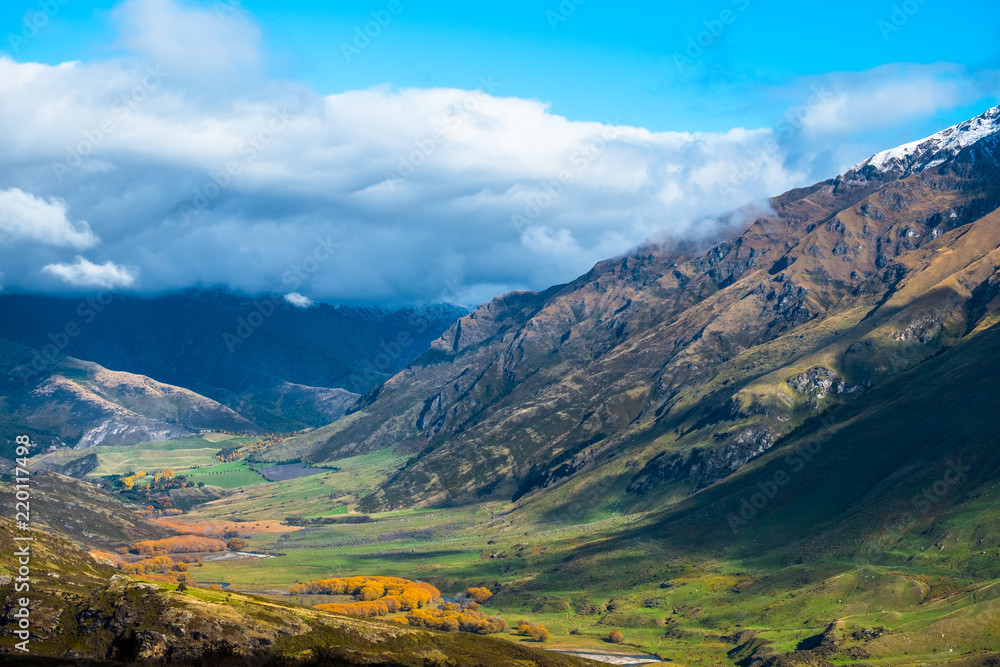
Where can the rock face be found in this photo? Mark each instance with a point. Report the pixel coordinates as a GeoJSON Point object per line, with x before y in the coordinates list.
{"type": "Point", "coordinates": [692, 362]}
{"type": "Point", "coordinates": [819, 382]}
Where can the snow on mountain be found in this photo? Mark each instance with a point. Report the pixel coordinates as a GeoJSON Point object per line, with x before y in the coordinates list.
{"type": "Point", "coordinates": [934, 150]}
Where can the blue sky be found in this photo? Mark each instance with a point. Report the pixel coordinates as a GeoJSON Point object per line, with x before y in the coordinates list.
{"type": "Point", "coordinates": [432, 149]}
{"type": "Point", "coordinates": [597, 60]}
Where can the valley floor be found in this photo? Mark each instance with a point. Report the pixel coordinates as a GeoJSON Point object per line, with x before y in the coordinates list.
{"type": "Point", "coordinates": [583, 580]}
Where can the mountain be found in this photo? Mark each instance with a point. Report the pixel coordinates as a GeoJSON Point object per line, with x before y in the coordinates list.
{"type": "Point", "coordinates": [671, 368]}
{"type": "Point", "coordinates": [936, 149]}
{"type": "Point", "coordinates": [82, 404]}
{"type": "Point", "coordinates": [280, 367]}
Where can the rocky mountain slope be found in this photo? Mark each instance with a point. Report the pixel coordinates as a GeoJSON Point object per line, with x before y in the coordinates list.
{"type": "Point", "coordinates": [281, 367]}
{"type": "Point", "coordinates": [683, 365]}
{"type": "Point", "coordinates": [81, 404]}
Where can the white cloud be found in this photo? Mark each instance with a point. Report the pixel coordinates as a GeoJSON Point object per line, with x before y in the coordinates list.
{"type": "Point", "coordinates": [25, 217]}
{"type": "Point", "coordinates": [85, 274]}
{"type": "Point", "coordinates": [191, 42]}
{"type": "Point", "coordinates": [888, 96]}
{"type": "Point", "coordinates": [427, 192]}
{"type": "Point", "coordinates": [299, 301]}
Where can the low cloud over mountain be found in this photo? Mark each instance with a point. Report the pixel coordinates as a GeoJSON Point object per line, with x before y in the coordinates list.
{"type": "Point", "coordinates": [166, 167]}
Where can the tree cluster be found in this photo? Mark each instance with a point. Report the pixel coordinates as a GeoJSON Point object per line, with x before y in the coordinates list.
{"type": "Point", "coordinates": [453, 618]}
{"type": "Point", "coordinates": [178, 545]}
{"type": "Point", "coordinates": [374, 596]}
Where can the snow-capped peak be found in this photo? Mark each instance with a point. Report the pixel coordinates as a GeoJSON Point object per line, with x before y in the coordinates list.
{"type": "Point", "coordinates": [935, 149]}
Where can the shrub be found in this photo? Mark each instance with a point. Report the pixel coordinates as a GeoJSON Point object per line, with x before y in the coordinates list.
{"type": "Point", "coordinates": [454, 619]}
{"type": "Point", "coordinates": [616, 637]}
{"type": "Point", "coordinates": [479, 595]}
{"type": "Point", "coordinates": [536, 631]}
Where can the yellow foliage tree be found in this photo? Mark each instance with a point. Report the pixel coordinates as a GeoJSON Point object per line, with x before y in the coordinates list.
{"type": "Point", "coordinates": [479, 595]}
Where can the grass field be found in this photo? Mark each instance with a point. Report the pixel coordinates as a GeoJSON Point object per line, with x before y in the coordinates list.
{"type": "Point", "coordinates": [231, 475]}
{"type": "Point", "coordinates": [317, 496]}
{"type": "Point", "coordinates": [181, 455]}
{"type": "Point", "coordinates": [665, 603]}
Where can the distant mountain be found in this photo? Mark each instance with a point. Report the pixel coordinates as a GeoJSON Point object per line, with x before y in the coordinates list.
{"type": "Point", "coordinates": [81, 404]}
{"type": "Point", "coordinates": [668, 369]}
{"type": "Point", "coordinates": [281, 367]}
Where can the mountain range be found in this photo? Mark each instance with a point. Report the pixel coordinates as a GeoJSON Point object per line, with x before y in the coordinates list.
{"type": "Point", "coordinates": [672, 367]}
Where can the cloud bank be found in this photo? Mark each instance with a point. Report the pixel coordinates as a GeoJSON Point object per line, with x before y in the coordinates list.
{"type": "Point", "coordinates": [192, 167]}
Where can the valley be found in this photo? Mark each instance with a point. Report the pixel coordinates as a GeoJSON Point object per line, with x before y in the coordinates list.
{"type": "Point", "coordinates": [775, 448]}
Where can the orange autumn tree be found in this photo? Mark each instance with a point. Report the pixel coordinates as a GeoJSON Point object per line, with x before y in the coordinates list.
{"type": "Point", "coordinates": [536, 631]}
{"type": "Point", "coordinates": [479, 595]}
{"type": "Point", "coordinates": [374, 596]}
{"type": "Point", "coordinates": [453, 618]}
{"type": "Point", "coordinates": [179, 545]}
